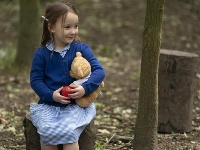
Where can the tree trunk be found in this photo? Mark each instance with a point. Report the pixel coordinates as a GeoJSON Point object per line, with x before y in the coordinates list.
{"type": "Point", "coordinates": [146, 123]}
{"type": "Point", "coordinates": [29, 33]}
{"type": "Point", "coordinates": [177, 72]}
{"type": "Point", "coordinates": [86, 140]}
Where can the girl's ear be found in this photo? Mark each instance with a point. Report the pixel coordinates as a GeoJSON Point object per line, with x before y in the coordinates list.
{"type": "Point", "coordinates": [50, 28]}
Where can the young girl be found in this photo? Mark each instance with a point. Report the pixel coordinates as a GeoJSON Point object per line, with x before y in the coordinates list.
{"type": "Point", "coordinates": [57, 118]}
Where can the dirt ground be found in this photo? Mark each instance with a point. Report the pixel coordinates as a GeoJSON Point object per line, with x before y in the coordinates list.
{"type": "Point", "coordinates": [114, 31]}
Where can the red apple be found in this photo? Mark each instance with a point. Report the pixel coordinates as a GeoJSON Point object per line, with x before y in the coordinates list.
{"type": "Point", "coordinates": [65, 91]}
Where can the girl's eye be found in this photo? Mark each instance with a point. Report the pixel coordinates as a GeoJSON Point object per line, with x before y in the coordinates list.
{"type": "Point", "coordinates": [67, 27]}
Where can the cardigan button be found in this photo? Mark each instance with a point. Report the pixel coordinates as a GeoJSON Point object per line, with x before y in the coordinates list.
{"type": "Point", "coordinates": [63, 60]}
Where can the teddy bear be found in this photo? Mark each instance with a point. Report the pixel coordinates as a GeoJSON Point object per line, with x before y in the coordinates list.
{"type": "Point", "coordinates": [81, 70]}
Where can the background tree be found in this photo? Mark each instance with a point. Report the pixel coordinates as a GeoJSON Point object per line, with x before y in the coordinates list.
{"type": "Point", "coordinates": [147, 116]}
{"type": "Point", "coordinates": [29, 32]}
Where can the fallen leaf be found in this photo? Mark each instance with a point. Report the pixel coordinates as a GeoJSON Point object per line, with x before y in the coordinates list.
{"type": "Point", "coordinates": [198, 75]}
{"type": "Point", "coordinates": [104, 131]}
{"type": "Point", "coordinates": [12, 129]}
{"type": "Point", "coordinates": [3, 121]}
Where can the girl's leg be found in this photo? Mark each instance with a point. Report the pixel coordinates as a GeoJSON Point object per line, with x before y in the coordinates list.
{"type": "Point", "coordinates": [49, 147]}
{"type": "Point", "coordinates": [72, 146]}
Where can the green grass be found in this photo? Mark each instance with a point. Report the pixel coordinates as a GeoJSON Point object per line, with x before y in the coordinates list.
{"type": "Point", "coordinates": [99, 146]}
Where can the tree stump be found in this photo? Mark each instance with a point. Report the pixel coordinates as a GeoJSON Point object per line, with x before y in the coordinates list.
{"type": "Point", "coordinates": [86, 140]}
{"type": "Point", "coordinates": [176, 83]}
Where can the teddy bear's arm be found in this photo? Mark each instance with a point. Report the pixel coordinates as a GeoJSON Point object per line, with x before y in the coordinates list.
{"type": "Point", "coordinates": [88, 99]}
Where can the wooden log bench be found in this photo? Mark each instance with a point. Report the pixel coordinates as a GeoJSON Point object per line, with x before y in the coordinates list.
{"type": "Point", "coordinates": [86, 140]}
{"type": "Point", "coordinates": [176, 83]}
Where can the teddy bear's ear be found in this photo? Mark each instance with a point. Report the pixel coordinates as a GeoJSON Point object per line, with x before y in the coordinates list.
{"type": "Point", "coordinates": [78, 54]}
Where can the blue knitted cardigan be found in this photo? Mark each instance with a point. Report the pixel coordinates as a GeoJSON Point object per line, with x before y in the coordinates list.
{"type": "Point", "coordinates": [50, 73]}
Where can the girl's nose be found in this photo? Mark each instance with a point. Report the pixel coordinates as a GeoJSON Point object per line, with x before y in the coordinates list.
{"type": "Point", "coordinates": [73, 31]}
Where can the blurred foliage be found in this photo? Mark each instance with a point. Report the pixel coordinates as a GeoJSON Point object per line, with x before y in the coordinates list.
{"type": "Point", "coordinates": [7, 56]}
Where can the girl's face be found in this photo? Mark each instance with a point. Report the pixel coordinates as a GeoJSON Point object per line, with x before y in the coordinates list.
{"type": "Point", "coordinates": [65, 30]}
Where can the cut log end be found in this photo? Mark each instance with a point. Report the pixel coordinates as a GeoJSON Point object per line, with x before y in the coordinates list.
{"type": "Point", "coordinates": [176, 84]}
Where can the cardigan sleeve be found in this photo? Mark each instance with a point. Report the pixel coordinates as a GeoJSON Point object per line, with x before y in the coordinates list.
{"type": "Point", "coordinates": [37, 78]}
{"type": "Point", "coordinates": [97, 71]}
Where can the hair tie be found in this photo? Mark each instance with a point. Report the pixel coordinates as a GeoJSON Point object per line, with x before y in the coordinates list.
{"type": "Point", "coordinates": [45, 18]}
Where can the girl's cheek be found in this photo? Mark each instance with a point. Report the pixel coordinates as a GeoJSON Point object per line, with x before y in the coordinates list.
{"type": "Point", "coordinates": [77, 31]}
{"type": "Point", "coordinates": [66, 32]}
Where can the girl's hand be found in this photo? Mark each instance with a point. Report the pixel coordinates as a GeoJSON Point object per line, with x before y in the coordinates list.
{"type": "Point", "coordinates": [59, 98]}
{"type": "Point", "coordinates": [77, 90]}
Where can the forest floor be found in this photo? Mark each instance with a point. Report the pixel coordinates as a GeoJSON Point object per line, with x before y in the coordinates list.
{"type": "Point", "coordinates": [118, 50]}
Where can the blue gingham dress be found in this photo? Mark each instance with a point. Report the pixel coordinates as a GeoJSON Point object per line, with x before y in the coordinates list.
{"type": "Point", "coordinates": [60, 125]}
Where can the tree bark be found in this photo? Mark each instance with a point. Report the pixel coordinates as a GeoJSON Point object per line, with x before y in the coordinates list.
{"type": "Point", "coordinates": [146, 123]}
{"type": "Point", "coordinates": [177, 72]}
{"type": "Point", "coordinates": [29, 33]}
{"type": "Point", "coordinates": [86, 140]}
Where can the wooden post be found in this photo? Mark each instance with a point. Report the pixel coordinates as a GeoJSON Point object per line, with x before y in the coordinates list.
{"type": "Point", "coordinates": [86, 140]}
{"type": "Point", "coordinates": [176, 85]}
